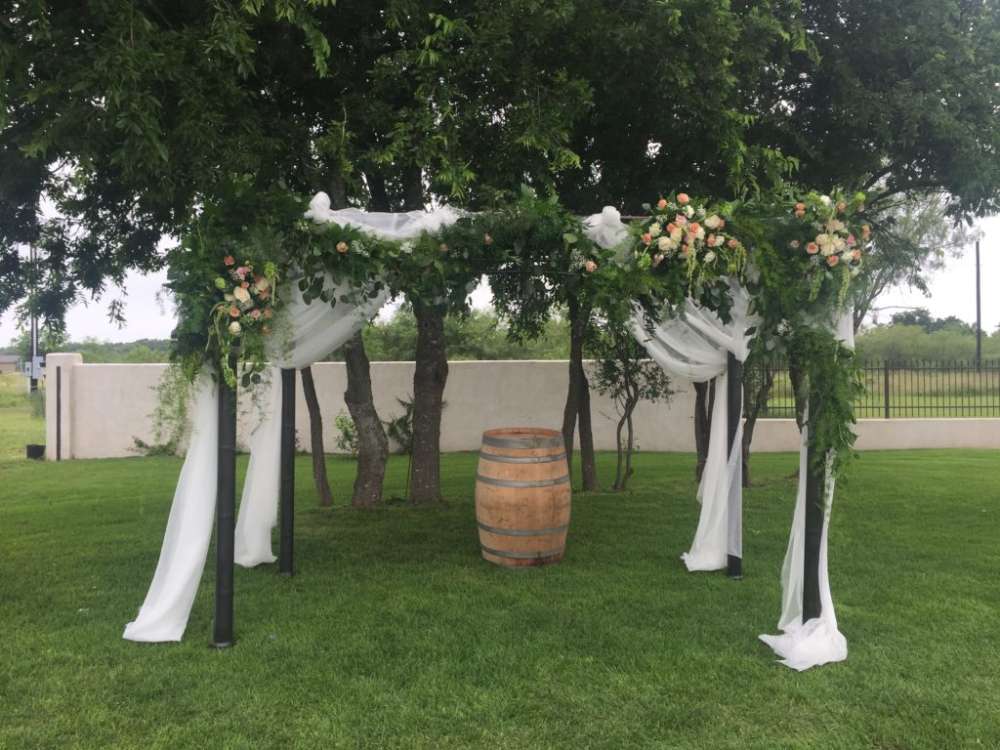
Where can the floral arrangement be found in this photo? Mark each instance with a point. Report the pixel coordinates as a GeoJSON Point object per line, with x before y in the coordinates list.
{"type": "Point", "coordinates": [684, 234]}
{"type": "Point", "coordinates": [242, 320]}
{"type": "Point", "coordinates": [827, 229]}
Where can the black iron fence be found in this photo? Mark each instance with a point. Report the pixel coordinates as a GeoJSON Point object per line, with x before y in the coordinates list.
{"type": "Point", "coordinates": [905, 389]}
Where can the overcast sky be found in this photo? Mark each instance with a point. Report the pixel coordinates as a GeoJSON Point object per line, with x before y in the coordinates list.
{"type": "Point", "coordinates": [952, 293]}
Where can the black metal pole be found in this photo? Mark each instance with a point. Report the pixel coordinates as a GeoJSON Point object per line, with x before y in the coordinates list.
{"type": "Point", "coordinates": [286, 554]}
{"type": "Point", "coordinates": [979, 314]}
{"type": "Point", "coordinates": [222, 635]}
{"type": "Point", "coordinates": [734, 396]}
{"type": "Point", "coordinates": [815, 500]}
{"type": "Point", "coordinates": [59, 413]}
{"type": "Point", "coordinates": [33, 368]}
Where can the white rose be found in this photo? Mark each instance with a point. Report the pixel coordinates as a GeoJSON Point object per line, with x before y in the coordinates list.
{"type": "Point", "coordinates": [664, 245]}
{"type": "Point", "coordinates": [825, 200]}
{"type": "Point", "coordinates": [709, 256]}
{"type": "Point", "coordinates": [835, 225]}
{"type": "Point", "coordinates": [241, 294]}
{"type": "Point", "coordinates": [712, 222]}
{"type": "Point", "coordinates": [688, 211]}
{"type": "Point", "coordinates": [234, 328]}
{"type": "Point", "coordinates": [655, 229]}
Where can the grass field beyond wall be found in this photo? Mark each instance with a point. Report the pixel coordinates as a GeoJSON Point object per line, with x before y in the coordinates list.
{"type": "Point", "coordinates": [395, 633]}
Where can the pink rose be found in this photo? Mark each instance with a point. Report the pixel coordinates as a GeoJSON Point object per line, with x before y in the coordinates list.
{"type": "Point", "coordinates": [812, 248]}
{"type": "Point", "coordinates": [661, 204]}
{"type": "Point", "coordinates": [832, 260]}
{"type": "Point", "coordinates": [255, 313]}
{"type": "Point", "coordinates": [229, 260]}
{"type": "Point", "coordinates": [242, 272]}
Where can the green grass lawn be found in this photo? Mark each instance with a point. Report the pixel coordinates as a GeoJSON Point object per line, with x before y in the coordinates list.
{"type": "Point", "coordinates": [19, 425]}
{"type": "Point", "coordinates": [396, 634]}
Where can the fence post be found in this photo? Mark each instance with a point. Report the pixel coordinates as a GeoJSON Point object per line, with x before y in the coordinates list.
{"type": "Point", "coordinates": [885, 378]}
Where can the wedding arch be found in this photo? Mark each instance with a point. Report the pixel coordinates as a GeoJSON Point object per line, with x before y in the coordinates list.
{"type": "Point", "coordinates": [697, 284]}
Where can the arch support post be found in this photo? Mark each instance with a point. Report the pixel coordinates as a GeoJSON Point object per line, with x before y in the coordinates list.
{"type": "Point", "coordinates": [225, 514]}
{"type": "Point", "coordinates": [734, 396]}
{"type": "Point", "coordinates": [286, 552]}
{"type": "Point", "coordinates": [815, 513]}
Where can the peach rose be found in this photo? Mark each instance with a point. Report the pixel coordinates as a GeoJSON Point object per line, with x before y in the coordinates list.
{"type": "Point", "coordinates": [487, 239]}
{"type": "Point", "coordinates": [812, 248]}
{"type": "Point", "coordinates": [591, 266]}
{"type": "Point", "coordinates": [683, 199]}
{"type": "Point", "coordinates": [229, 260]}
{"type": "Point", "coordinates": [342, 247]}
{"type": "Point", "coordinates": [234, 312]}
{"type": "Point", "coordinates": [833, 260]}
{"type": "Point", "coordinates": [661, 204]}
{"type": "Point", "coordinates": [647, 237]}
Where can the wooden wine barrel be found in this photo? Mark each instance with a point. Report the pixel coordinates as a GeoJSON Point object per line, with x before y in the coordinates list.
{"type": "Point", "coordinates": [522, 496]}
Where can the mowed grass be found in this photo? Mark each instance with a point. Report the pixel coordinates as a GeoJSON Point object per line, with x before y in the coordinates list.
{"type": "Point", "coordinates": [18, 425]}
{"type": "Point", "coordinates": [395, 633]}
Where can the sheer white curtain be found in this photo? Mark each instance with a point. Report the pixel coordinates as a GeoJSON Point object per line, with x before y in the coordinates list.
{"type": "Point", "coordinates": [695, 346]}
{"type": "Point", "coordinates": [802, 645]}
{"type": "Point", "coordinates": [316, 330]}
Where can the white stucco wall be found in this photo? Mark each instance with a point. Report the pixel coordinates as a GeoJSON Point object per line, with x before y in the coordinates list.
{"type": "Point", "coordinates": [105, 407]}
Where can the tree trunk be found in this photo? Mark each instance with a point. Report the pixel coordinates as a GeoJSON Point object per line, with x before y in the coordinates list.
{"type": "Point", "coordinates": [429, 378]}
{"type": "Point", "coordinates": [756, 391]}
{"type": "Point", "coordinates": [630, 448]}
{"type": "Point", "coordinates": [373, 446]}
{"type": "Point", "coordinates": [316, 440]}
{"type": "Point", "coordinates": [620, 443]}
{"type": "Point", "coordinates": [704, 403]}
{"type": "Point", "coordinates": [577, 407]}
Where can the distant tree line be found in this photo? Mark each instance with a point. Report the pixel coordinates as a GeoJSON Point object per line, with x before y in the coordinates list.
{"type": "Point", "coordinates": [914, 334]}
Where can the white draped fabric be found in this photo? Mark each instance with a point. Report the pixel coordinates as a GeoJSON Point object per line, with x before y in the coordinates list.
{"type": "Point", "coordinates": [802, 645]}
{"type": "Point", "coordinates": [316, 329]}
{"type": "Point", "coordinates": [695, 346]}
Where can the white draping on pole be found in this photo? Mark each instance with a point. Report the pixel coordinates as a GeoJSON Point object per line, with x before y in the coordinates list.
{"type": "Point", "coordinates": [802, 645]}
{"type": "Point", "coordinates": [316, 330]}
{"type": "Point", "coordinates": [694, 345]}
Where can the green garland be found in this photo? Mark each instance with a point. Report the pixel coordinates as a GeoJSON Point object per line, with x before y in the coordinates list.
{"type": "Point", "coordinates": [797, 255]}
